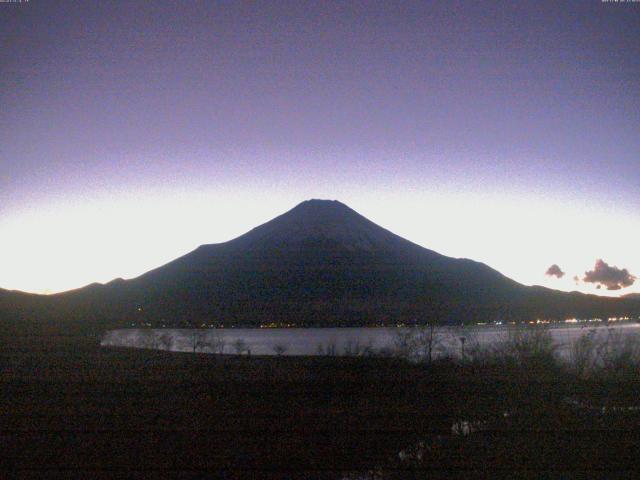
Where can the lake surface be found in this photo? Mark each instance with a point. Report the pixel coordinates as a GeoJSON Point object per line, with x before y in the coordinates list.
{"type": "Point", "coordinates": [344, 341]}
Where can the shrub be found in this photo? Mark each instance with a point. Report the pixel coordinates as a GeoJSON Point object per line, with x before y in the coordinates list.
{"type": "Point", "coordinates": [583, 355]}
{"type": "Point", "coordinates": [618, 355]}
{"type": "Point", "coordinates": [529, 346]}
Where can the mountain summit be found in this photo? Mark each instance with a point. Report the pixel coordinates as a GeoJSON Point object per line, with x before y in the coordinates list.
{"type": "Point", "coordinates": [320, 264]}
{"type": "Point", "coordinates": [328, 219]}
{"type": "Point", "coordinates": [321, 220]}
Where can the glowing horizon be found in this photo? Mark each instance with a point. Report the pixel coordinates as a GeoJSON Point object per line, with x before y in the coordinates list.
{"type": "Point", "coordinates": [104, 239]}
{"type": "Point", "coordinates": [131, 133]}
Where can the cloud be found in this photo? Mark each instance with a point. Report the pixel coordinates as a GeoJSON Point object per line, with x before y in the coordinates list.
{"type": "Point", "coordinates": [555, 271]}
{"type": "Point", "coordinates": [613, 278]}
{"type": "Point", "coordinates": [576, 279]}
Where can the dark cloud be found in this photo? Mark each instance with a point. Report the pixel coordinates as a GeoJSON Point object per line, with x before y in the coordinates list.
{"type": "Point", "coordinates": [555, 271]}
{"type": "Point", "coordinates": [613, 278]}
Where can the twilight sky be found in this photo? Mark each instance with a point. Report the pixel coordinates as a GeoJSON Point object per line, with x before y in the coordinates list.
{"type": "Point", "coordinates": [506, 132]}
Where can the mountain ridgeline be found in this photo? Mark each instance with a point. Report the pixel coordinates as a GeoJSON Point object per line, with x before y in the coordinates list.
{"type": "Point", "coordinates": [320, 264]}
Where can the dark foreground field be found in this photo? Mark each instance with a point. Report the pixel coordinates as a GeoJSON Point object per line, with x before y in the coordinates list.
{"type": "Point", "coordinates": [71, 409]}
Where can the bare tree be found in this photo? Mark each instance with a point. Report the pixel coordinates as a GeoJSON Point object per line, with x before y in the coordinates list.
{"type": "Point", "coordinates": [198, 340]}
{"type": "Point", "coordinates": [148, 339]}
{"type": "Point", "coordinates": [159, 341]}
{"type": "Point", "coordinates": [218, 342]}
{"type": "Point", "coordinates": [418, 343]}
{"type": "Point", "coordinates": [240, 346]}
{"type": "Point", "coordinates": [352, 348]}
{"type": "Point", "coordinates": [165, 340]}
{"type": "Point", "coordinates": [329, 350]}
{"type": "Point", "coordinates": [279, 349]}
{"type": "Point", "coordinates": [404, 343]}
{"type": "Point", "coordinates": [427, 341]}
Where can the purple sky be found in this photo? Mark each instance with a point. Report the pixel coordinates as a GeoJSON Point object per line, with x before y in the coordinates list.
{"type": "Point", "coordinates": [438, 108]}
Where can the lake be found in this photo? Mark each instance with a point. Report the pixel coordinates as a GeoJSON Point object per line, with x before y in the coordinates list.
{"type": "Point", "coordinates": [341, 341]}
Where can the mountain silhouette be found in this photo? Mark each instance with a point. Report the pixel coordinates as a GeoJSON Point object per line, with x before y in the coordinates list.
{"type": "Point", "coordinates": [631, 295]}
{"type": "Point", "coordinates": [319, 264]}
